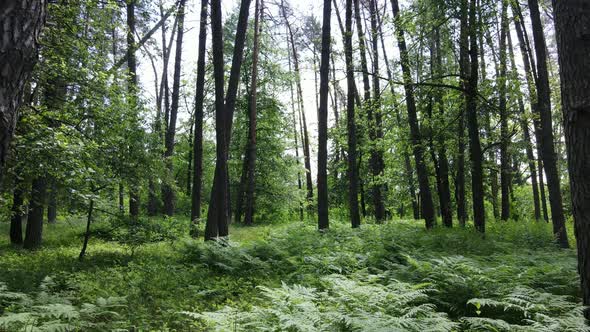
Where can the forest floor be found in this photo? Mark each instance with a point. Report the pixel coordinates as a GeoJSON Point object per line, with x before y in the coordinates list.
{"type": "Point", "coordinates": [391, 277]}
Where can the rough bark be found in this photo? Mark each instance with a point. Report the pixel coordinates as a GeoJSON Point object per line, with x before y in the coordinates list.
{"type": "Point", "coordinates": [323, 221]}
{"type": "Point", "coordinates": [572, 19]}
{"type": "Point", "coordinates": [547, 144]}
{"type": "Point", "coordinates": [416, 137]}
{"type": "Point", "coordinates": [464, 69]}
{"type": "Point", "coordinates": [22, 21]}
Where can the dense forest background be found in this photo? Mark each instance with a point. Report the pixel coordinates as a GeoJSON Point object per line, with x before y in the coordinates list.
{"type": "Point", "coordinates": [451, 136]}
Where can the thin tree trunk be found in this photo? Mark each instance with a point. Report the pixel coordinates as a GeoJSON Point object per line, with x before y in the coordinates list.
{"type": "Point", "coordinates": [87, 233]}
{"type": "Point", "coordinates": [168, 187]}
{"type": "Point", "coordinates": [132, 95]}
{"type": "Point", "coordinates": [353, 179]}
{"type": "Point", "coordinates": [473, 126]}
{"type": "Point", "coordinates": [323, 221]}
{"type": "Point", "coordinates": [198, 135]}
{"type": "Point", "coordinates": [505, 169]}
{"type": "Point", "coordinates": [423, 181]}
{"type": "Point", "coordinates": [22, 21]}
{"type": "Point", "coordinates": [548, 149]}
{"type": "Point", "coordinates": [573, 45]}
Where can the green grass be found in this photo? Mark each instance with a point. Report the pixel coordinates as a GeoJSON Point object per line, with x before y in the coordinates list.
{"type": "Point", "coordinates": [396, 276]}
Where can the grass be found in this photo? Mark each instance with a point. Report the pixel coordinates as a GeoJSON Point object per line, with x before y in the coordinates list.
{"type": "Point", "coordinates": [396, 276]}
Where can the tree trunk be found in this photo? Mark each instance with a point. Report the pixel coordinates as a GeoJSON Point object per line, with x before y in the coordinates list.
{"type": "Point", "coordinates": [407, 162]}
{"type": "Point", "coordinates": [323, 221]}
{"type": "Point", "coordinates": [505, 169]}
{"type": "Point", "coordinates": [544, 107]}
{"type": "Point", "coordinates": [572, 19]}
{"type": "Point", "coordinates": [22, 21]}
{"type": "Point", "coordinates": [376, 126]}
{"type": "Point", "coordinates": [472, 124]}
{"type": "Point", "coordinates": [198, 131]}
{"type": "Point", "coordinates": [16, 219]}
{"type": "Point", "coordinates": [34, 230]}
{"type": "Point", "coordinates": [132, 96]}
{"type": "Point", "coordinates": [423, 181]}
{"type": "Point", "coordinates": [87, 233]}
{"type": "Point", "coordinates": [52, 202]}
{"type": "Point", "coordinates": [353, 179]}
{"type": "Point", "coordinates": [218, 216]}
{"type": "Point", "coordinates": [168, 186]}
{"type": "Point", "coordinates": [251, 147]}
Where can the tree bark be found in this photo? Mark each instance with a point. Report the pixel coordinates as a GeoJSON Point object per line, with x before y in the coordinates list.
{"type": "Point", "coordinates": [198, 131]}
{"type": "Point", "coordinates": [473, 126]}
{"type": "Point", "coordinates": [52, 202]}
{"type": "Point", "coordinates": [544, 107]}
{"type": "Point", "coordinates": [218, 216]}
{"type": "Point", "coordinates": [251, 149]}
{"type": "Point", "coordinates": [572, 19]}
{"type": "Point", "coordinates": [22, 21]}
{"type": "Point", "coordinates": [132, 96]}
{"type": "Point", "coordinates": [16, 219]}
{"type": "Point", "coordinates": [323, 221]}
{"type": "Point", "coordinates": [505, 169]}
{"type": "Point", "coordinates": [168, 187]}
{"type": "Point", "coordinates": [87, 233]}
{"type": "Point", "coordinates": [34, 230]}
{"type": "Point", "coordinates": [423, 181]}
{"type": "Point", "coordinates": [353, 179]}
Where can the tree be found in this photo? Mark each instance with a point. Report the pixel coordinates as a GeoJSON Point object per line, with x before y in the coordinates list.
{"type": "Point", "coordinates": [544, 107]}
{"type": "Point", "coordinates": [323, 221]}
{"type": "Point", "coordinates": [34, 230]}
{"type": "Point", "coordinates": [416, 137]}
{"type": "Point", "coordinates": [353, 204]}
{"type": "Point", "coordinates": [504, 137]}
{"type": "Point", "coordinates": [198, 130]}
{"type": "Point", "coordinates": [132, 96]}
{"type": "Point", "coordinates": [168, 190]}
{"type": "Point", "coordinates": [219, 209]}
{"type": "Point", "coordinates": [573, 45]}
{"type": "Point", "coordinates": [19, 35]}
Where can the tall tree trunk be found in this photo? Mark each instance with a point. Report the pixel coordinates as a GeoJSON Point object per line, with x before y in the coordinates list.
{"type": "Point", "coordinates": [524, 125]}
{"type": "Point", "coordinates": [423, 181]}
{"type": "Point", "coordinates": [504, 136]}
{"type": "Point", "coordinates": [544, 107]}
{"type": "Point", "coordinates": [572, 19]}
{"type": "Point", "coordinates": [472, 124]}
{"type": "Point", "coordinates": [323, 221]}
{"type": "Point", "coordinates": [376, 125]}
{"type": "Point", "coordinates": [34, 230]}
{"type": "Point", "coordinates": [352, 171]}
{"type": "Point", "coordinates": [16, 218]}
{"type": "Point", "coordinates": [198, 131]}
{"type": "Point", "coordinates": [52, 202]}
{"type": "Point", "coordinates": [22, 21]}
{"type": "Point", "coordinates": [168, 186]}
{"type": "Point", "coordinates": [218, 216]}
{"type": "Point", "coordinates": [407, 162]}
{"type": "Point", "coordinates": [251, 149]}
{"type": "Point", "coordinates": [464, 70]}
{"type": "Point", "coordinates": [132, 95]}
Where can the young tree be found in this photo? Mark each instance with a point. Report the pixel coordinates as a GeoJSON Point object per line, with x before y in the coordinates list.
{"type": "Point", "coordinates": [22, 21]}
{"type": "Point", "coordinates": [544, 107]}
{"type": "Point", "coordinates": [573, 45]}
{"type": "Point", "coordinates": [323, 221]}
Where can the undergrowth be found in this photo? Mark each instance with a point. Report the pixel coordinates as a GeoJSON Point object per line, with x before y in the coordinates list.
{"type": "Point", "coordinates": [392, 277]}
